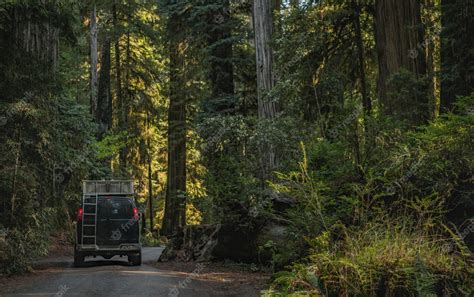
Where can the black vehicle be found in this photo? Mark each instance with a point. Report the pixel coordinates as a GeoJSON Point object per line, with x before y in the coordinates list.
{"type": "Point", "coordinates": [108, 222]}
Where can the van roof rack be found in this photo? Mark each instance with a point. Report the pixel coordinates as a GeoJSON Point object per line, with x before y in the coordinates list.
{"type": "Point", "coordinates": [110, 187]}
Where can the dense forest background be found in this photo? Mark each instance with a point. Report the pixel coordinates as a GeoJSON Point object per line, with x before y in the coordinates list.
{"type": "Point", "coordinates": [346, 123]}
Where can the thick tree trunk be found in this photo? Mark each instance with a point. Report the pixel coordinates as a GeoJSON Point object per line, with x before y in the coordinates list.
{"type": "Point", "coordinates": [104, 108]}
{"type": "Point", "coordinates": [35, 35]}
{"type": "Point", "coordinates": [221, 72]}
{"type": "Point", "coordinates": [457, 42]}
{"type": "Point", "coordinates": [175, 202]}
{"type": "Point", "coordinates": [263, 26]}
{"type": "Point", "coordinates": [267, 108]}
{"type": "Point", "coordinates": [399, 37]}
{"type": "Point", "coordinates": [94, 61]}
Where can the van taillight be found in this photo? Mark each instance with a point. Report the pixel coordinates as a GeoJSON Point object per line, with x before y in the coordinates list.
{"type": "Point", "coordinates": [135, 213]}
{"type": "Point", "coordinates": [80, 211]}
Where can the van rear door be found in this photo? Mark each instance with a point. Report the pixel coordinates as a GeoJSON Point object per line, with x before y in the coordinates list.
{"type": "Point", "coordinates": [117, 222]}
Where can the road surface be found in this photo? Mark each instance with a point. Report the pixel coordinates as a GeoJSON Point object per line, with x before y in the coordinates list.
{"type": "Point", "coordinates": [114, 277]}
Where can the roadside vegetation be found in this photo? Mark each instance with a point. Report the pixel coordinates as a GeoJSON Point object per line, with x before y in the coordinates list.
{"type": "Point", "coordinates": [389, 231]}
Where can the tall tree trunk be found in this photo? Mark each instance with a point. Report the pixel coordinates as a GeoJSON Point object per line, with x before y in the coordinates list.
{"type": "Point", "coordinates": [431, 67]}
{"type": "Point", "coordinates": [150, 172]}
{"type": "Point", "coordinates": [267, 108]}
{"type": "Point", "coordinates": [94, 81]}
{"type": "Point", "coordinates": [361, 55]}
{"type": "Point", "coordinates": [457, 42]}
{"type": "Point", "coordinates": [150, 189]}
{"type": "Point", "coordinates": [399, 36]}
{"type": "Point", "coordinates": [118, 81]}
{"type": "Point", "coordinates": [35, 35]}
{"type": "Point", "coordinates": [104, 108]}
{"type": "Point", "coordinates": [118, 69]}
{"type": "Point", "coordinates": [175, 201]}
{"type": "Point", "coordinates": [221, 72]}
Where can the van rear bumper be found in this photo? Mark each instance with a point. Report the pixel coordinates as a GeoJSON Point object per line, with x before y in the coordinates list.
{"type": "Point", "coordinates": [122, 249]}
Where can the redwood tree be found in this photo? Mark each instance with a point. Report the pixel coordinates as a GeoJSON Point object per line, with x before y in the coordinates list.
{"type": "Point", "coordinates": [399, 38]}
{"type": "Point", "coordinates": [175, 201]}
{"type": "Point", "coordinates": [104, 98]}
{"type": "Point", "coordinates": [94, 61]}
{"type": "Point", "coordinates": [221, 74]}
{"type": "Point", "coordinates": [267, 108]}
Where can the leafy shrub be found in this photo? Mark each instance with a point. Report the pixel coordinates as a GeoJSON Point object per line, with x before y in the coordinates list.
{"type": "Point", "coordinates": [380, 226]}
{"type": "Point", "coordinates": [152, 239]}
{"type": "Point", "coordinates": [386, 257]}
{"type": "Point", "coordinates": [20, 246]}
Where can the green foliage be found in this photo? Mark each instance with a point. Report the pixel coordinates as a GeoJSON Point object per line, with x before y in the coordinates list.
{"type": "Point", "coordinates": [46, 134]}
{"type": "Point", "coordinates": [384, 257]}
{"type": "Point", "coordinates": [381, 229]}
{"type": "Point", "coordinates": [230, 148]}
{"type": "Point", "coordinates": [406, 91]}
{"type": "Point", "coordinates": [435, 160]}
{"type": "Point", "coordinates": [316, 59]}
{"type": "Point", "coordinates": [16, 248]}
{"type": "Point", "coordinates": [111, 144]}
{"type": "Point", "coordinates": [152, 239]}
{"type": "Point", "coordinates": [43, 161]}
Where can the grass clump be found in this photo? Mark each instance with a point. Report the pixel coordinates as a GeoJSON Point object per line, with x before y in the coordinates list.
{"type": "Point", "coordinates": [387, 257]}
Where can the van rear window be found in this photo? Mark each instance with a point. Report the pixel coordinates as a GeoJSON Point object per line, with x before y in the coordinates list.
{"type": "Point", "coordinates": [115, 208]}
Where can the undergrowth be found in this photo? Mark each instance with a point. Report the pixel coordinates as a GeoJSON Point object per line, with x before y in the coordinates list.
{"type": "Point", "coordinates": [392, 223]}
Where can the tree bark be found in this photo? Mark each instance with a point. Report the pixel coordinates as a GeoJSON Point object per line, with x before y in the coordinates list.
{"type": "Point", "coordinates": [150, 193]}
{"type": "Point", "coordinates": [104, 108]}
{"type": "Point", "coordinates": [94, 61]}
{"type": "Point", "coordinates": [35, 35]}
{"type": "Point", "coordinates": [175, 201]}
{"type": "Point", "coordinates": [221, 72]}
{"type": "Point", "coordinates": [118, 70]}
{"type": "Point", "coordinates": [121, 99]}
{"type": "Point", "coordinates": [150, 173]}
{"type": "Point", "coordinates": [399, 37]}
{"type": "Point", "coordinates": [267, 108]}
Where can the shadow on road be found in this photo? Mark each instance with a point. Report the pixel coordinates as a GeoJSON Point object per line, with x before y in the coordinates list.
{"type": "Point", "coordinates": [150, 256]}
{"type": "Point", "coordinates": [104, 262]}
{"type": "Point", "coordinates": [89, 262]}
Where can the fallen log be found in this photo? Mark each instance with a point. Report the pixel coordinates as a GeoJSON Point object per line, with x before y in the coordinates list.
{"type": "Point", "coordinates": [204, 243]}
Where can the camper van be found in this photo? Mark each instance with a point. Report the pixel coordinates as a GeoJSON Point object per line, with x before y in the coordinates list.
{"type": "Point", "coordinates": [108, 222]}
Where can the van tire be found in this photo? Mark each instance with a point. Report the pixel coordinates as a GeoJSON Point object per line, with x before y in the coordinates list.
{"type": "Point", "coordinates": [135, 259]}
{"type": "Point", "coordinates": [78, 259]}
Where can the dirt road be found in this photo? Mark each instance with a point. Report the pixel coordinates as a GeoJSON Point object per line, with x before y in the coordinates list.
{"type": "Point", "coordinates": [115, 277]}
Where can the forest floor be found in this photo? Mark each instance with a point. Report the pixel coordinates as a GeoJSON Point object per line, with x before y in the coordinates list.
{"type": "Point", "coordinates": [228, 279]}
{"type": "Point", "coordinates": [54, 275]}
